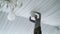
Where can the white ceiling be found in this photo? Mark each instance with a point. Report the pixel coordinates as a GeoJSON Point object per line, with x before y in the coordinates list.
{"type": "Point", "coordinates": [49, 9]}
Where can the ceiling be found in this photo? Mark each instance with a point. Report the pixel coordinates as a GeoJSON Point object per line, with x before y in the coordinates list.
{"type": "Point", "coordinates": [50, 14]}
{"type": "Point", "coordinates": [49, 9]}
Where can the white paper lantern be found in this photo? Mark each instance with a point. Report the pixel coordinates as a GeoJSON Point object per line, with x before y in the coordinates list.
{"type": "Point", "coordinates": [11, 16]}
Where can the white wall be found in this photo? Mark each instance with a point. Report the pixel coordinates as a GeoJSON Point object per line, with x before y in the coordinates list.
{"type": "Point", "coordinates": [19, 26]}
{"type": "Point", "coordinates": [48, 29]}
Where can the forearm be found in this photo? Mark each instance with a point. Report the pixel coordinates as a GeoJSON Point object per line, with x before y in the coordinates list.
{"type": "Point", "coordinates": [31, 20]}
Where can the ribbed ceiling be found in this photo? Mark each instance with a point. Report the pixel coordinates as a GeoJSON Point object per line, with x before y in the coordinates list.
{"type": "Point", "coordinates": [49, 9]}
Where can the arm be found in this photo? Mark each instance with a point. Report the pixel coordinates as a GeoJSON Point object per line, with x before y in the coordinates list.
{"type": "Point", "coordinates": [31, 20]}
{"type": "Point", "coordinates": [38, 14]}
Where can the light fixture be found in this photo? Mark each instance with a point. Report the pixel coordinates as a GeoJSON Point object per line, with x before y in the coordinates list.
{"type": "Point", "coordinates": [11, 16]}
{"type": "Point", "coordinates": [11, 4]}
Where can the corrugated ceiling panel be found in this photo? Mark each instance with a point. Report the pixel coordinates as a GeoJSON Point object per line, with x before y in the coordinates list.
{"type": "Point", "coordinates": [45, 7]}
